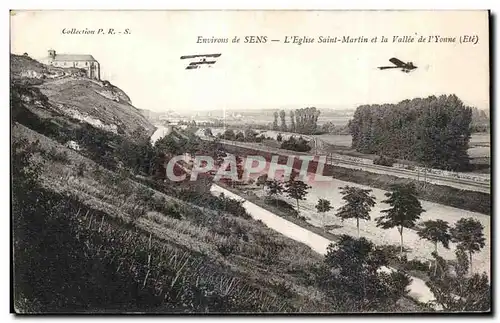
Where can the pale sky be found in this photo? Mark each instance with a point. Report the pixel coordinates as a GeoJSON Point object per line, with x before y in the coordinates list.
{"type": "Point", "coordinates": [146, 63]}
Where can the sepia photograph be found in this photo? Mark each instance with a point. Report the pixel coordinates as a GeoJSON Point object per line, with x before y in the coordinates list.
{"type": "Point", "coordinates": [250, 162]}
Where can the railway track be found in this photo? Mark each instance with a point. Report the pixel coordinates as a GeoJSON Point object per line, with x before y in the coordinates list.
{"type": "Point", "coordinates": [461, 183]}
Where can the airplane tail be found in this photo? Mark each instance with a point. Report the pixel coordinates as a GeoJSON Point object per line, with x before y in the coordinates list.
{"type": "Point", "coordinates": [386, 67]}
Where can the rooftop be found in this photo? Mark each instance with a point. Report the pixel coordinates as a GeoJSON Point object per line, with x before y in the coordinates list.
{"type": "Point", "coordinates": [74, 57]}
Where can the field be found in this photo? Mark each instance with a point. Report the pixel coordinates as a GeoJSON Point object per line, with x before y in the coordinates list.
{"type": "Point", "coordinates": [480, 146]}
{"type": "Point", "coordinates": [336, 140]}
{"type": "Point", "coordinates": [479, 152]}
{"type": "Point", "coordinates": [480, 139]}
{"type": "Point", "coordinates": [420, 249]}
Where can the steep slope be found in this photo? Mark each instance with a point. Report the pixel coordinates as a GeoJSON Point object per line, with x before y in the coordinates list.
{"type": "Point", "coordinates": [66, 95]}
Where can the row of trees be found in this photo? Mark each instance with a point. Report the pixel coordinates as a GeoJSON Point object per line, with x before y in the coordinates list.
{"type": "Point", "coordinates": [434, 131]}
{"type": "Point", "coordinates": [301, 120]}
{"type": "Point", "coordinates": [404, 212]}
{"type": "Point", "coordinates": [351, 275]}
{"type": "Point", "coordinates": [248, 135]}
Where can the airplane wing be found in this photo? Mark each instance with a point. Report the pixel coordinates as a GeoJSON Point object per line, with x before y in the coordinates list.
{"type": "Point", "coordinates": [200, 55]}
{"type": "Point", "coordinates": [202, 62]}
{"type": "Point", "coordinates": [397, 62]}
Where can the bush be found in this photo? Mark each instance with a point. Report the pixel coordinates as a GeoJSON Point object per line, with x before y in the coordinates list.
{"type": "Point", "coordinates": [417, 265]}
{"type": "Point", "coordinates": [228, 227]}
{"type": "Point", "coordinates": [81, 169]}
{"type": "Point", "coordinates": [227, 246]}
{"type": "Point", "coordinates": [172, 210]}
{"type": "Point", "coordinates": [282, 205]}
{"type": "Point", "coordinates": [58, 156]}
{"type": "Point", "coordinates": [299, 145]}
{"type": "Point", "coordinates": [391, 252]}
{"type": "Point", "coordinates": [145, 196]}
{"type": "Point", "coordinates": [282, 288]}
{"type": "Point", "coordinates": [384, 161]}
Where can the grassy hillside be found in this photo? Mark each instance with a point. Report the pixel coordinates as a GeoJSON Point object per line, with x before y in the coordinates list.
{"type": "Point", "coordinates": [259, 264]}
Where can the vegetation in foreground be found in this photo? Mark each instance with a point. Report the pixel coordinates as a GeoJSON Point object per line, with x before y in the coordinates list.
{"type": "Point", "coordinates": [72, 256]}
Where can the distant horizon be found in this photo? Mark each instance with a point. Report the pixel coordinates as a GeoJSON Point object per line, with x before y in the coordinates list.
{"type": "Point", "coordinates": [333, 108]}
{"type": "Point", "coordinates": [145, 63]}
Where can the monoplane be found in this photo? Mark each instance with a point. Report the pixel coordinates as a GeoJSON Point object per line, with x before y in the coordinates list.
{"type": "Point", "coordinates": [405, 67]}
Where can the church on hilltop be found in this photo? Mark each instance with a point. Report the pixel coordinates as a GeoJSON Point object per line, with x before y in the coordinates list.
{"type": "Point", "coordinates": [86, 62]}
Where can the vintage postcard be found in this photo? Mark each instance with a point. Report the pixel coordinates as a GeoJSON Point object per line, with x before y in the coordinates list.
{"type": "Point", "coordinates": [246, 161]}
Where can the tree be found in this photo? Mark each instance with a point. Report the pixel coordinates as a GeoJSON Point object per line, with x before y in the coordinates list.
{"type": "Point", "coordinates": [404, 212]}
{"type": "Point", "coordinates": [274, 188]}
{"type": "Point", "coordinates": [435, 231]}
{"type": "Point", "coordinates": [239, 136]}
{"type": "Point", "coordinates": [283, 120]}
{"type": "Point", "coordinates": [329, 127]}
{"type": "Point", "coordinates": [296, 189]}
{"type": "Point", "coordinates": [306, 120]}
{"type": "Point", "coordinates": [208, 132]}
{"type": "Point", "coordinates": [358, 204]}
{"type": "Point", "coordinates": [239, 167]}
{"type": "Point", "coordinates": [300, 145]}
{"type": "Point", "coordinates": [323, 206]}
{"type": "Point", "coordinates": [279, 137]}
{"type": "Point", "coordinates": [250, 135]}
{"type": "Point", "coordinates": [170, 145]}
{"type": "Point", "coordinates": [292, 122]}
{"type": "Point", "coordinates": [454, 291]}
{"type": "Point", "coordinates": [275, 122]}
{"type": "Point", "coordinates": [261, 180]}
{"type": "Point", "coordinates": [468, 234]}
{"type": "Point", "coordinates": [219, 157]}
{"type": "Point", "coordinates": [229, 135]}
{"type": "Point", "coordinates": [354, 280]}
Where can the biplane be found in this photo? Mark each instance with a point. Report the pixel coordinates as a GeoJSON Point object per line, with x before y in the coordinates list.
{"type": "Point", "coordinates": [201, 60]}
{"type": "Point", "coordinates": [405, 67]}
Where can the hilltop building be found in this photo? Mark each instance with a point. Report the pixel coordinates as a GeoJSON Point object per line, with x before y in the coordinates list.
{"type": "Point", "coordinates": [86, 62]}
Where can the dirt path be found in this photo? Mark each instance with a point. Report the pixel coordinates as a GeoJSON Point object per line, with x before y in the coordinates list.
{"type": "Point", "coordinates": [418, 289]}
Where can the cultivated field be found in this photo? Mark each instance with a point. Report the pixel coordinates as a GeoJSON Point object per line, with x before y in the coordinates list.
{"type": "Point", "coordinates": [479, 145]}
{"type": "Point", "coordinates": [480, 139]}
{"type": "Point", "coordinates": [336, 140]}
